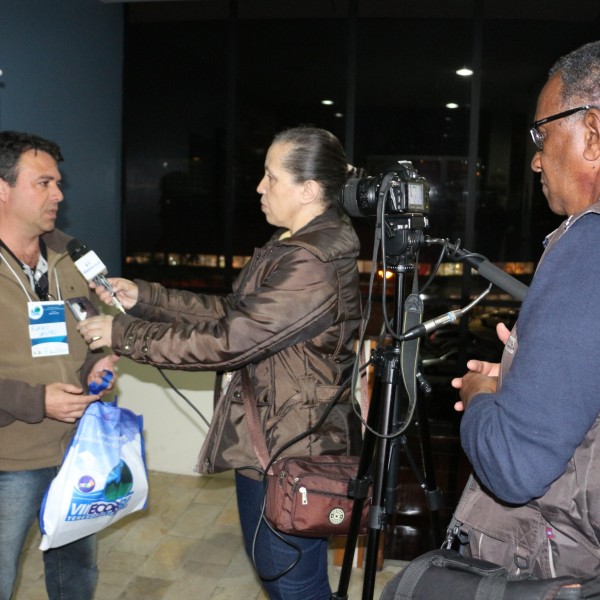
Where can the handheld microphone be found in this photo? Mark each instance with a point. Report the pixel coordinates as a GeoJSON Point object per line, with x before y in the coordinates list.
{"type": "Point", "coordinates": [91, 267]}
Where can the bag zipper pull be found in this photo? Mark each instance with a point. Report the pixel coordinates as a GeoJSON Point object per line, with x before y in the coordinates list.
{"type": "Point", "coordinates": [304, 495]}
{"type": "Point", "coordinates": [452, 534]}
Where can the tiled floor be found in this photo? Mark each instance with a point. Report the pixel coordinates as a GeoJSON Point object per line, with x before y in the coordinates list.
{"type": "Point", "coordinates": [185, 546]}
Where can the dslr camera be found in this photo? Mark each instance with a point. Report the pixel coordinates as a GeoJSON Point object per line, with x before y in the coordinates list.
{"type": "Point", "coordinates": [404, 192]}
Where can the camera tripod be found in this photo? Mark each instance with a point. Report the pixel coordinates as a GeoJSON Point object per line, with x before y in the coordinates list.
{"type": "Point", "coordinates": [382, 444]}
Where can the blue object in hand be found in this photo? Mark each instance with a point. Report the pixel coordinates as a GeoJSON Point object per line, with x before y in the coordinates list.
{"type": "Point", "coordinates": [96, 388]}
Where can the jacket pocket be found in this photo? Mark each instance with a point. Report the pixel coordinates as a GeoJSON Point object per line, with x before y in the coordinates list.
{"type": "Point", "coordinates": [228, 444]}
{"type": "Point", "coordinates": [511, 536]}
{"type": "Point", "coordinates": [337, 427]}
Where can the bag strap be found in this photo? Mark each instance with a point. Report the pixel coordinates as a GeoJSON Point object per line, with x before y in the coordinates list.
{"type": "Point", "coordinates": [590, 589]}
{"type": "Point", "coordinates": [253, 421]}
{"type": "Point", "coordinates": [257, 435]}
{"type": "Point", "coordinates": [411, 576]}
{"type": "Point", "coordinates": [492, 585]}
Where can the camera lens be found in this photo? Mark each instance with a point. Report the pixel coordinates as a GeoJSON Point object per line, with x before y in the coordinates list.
{"type": "Point", "coordinates": [359, 196]}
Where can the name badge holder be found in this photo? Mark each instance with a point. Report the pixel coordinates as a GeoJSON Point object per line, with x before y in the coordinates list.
{"type": "Point", "coordinates": [47, 328]}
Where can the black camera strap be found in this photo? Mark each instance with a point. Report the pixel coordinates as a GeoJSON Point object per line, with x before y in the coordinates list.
{"type": "Point", "coordinates": [413, 316]}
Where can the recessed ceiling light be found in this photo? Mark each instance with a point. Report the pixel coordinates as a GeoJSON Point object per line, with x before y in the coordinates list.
{"type": "Point", "coordinates": [338, 115]}
{"type": "Point", "coordinates": [464, 72]}
{"type": "Point", "coordinates": [327, 102]}
{"type": "Point", "coordinates": [451, 105]}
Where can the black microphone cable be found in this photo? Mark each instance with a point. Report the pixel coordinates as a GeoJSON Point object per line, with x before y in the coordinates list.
{"type": "Point", "coordinates": [181, 395]}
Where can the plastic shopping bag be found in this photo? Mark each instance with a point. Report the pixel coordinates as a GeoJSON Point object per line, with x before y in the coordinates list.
{"type": "Point", "coordinates": [102, 479]}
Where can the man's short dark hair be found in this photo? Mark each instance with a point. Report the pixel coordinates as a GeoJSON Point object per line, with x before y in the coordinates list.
{"type": "Point", "coordinates": [13, 144]}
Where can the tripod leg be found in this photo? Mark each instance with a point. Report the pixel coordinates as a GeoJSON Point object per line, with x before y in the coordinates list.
{"type": "Point", "coordinates": [380, 453]}
{"type": "Point", "coordinates": [386, 464]}
{"type": "Point", "coordinates": [433, 494]}
{"type": "Point", "coordinates": [366, 457]}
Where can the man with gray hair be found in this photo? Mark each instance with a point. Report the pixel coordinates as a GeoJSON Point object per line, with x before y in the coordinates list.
{"type": "Point", "coordinates": [531, 426]}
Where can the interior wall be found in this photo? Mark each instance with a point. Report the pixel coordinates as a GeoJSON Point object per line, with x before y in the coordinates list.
{"type": "Point", "coordinates": [61, 63]}
{"type": "Point", "coordinates": [173, 431]}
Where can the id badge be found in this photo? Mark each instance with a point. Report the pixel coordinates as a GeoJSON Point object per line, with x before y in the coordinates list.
{"type": "Point", "coordinates": [47, 328]}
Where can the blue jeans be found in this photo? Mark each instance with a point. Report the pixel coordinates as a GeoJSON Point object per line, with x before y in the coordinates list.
{"type": "Point", "coordinates": [70, 570]}
{"type": "Point", "coordinates": [306, 580]}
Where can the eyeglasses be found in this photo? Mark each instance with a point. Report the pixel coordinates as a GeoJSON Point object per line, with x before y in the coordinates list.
{"type": "Point", "coordinates": [538, 138]}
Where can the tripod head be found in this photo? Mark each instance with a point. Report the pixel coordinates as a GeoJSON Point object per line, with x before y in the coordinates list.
{"type": "Point", "coordinates": [401, 238]}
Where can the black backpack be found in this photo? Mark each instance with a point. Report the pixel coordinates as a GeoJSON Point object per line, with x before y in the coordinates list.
{"type": "Point", "coordinates": [446, 575]}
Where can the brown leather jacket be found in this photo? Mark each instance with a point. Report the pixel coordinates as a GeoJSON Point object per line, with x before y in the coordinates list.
{"type": "Point", "coordinates": [291, 320]}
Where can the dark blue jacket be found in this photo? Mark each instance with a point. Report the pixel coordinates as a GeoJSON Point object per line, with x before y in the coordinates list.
{"type": "Point", "coordinates": [520, 439]}
{"type": "Point", "coordinates": [534, 506]}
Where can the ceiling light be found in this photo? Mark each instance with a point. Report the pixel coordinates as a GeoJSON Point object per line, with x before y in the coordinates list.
{"type": "Point", "coordinates": [338, 115]}
{"type": "Point", "coordinates": [451, 105]}
{"type": "Point", "coordinates": [464, 72]}
{"type": "Point", "coordinates": [327, 102]}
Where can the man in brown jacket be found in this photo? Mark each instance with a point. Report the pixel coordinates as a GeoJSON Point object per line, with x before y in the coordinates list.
{"type": "Point", "coordinates": [44, 369]}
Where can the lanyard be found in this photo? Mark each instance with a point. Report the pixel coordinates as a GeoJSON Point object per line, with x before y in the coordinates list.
{"type": "Point", "coordinates": [38, 278]}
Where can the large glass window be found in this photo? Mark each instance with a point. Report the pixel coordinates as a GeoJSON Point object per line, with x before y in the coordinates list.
{"type": "Point", "coordinates": [208, 83]}
{"type": "Point", "coordinates": [175, 134]}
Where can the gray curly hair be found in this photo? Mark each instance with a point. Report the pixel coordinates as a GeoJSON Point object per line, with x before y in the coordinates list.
{"type": "Point", "coordinates": [580, 74]}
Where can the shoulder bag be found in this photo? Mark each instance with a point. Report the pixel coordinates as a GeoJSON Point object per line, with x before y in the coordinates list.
{"type": "Point", "coordinates": [306, 495]}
